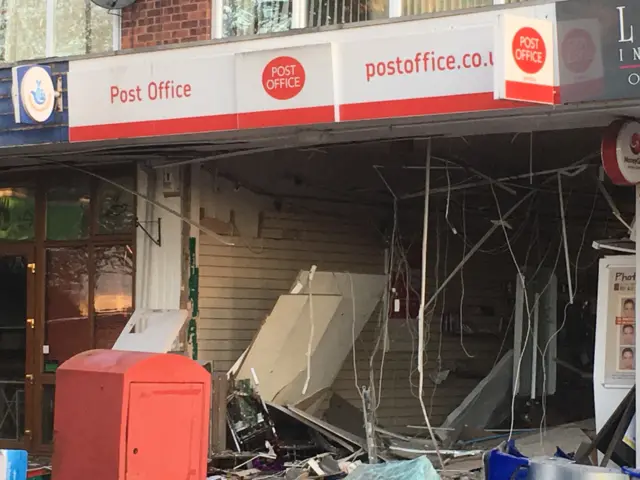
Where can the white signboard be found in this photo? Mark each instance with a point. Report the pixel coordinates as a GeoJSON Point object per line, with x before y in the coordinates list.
{"type": "Point", "coordinates": [157, 94]}
{"type": "Point", "coordinates": [525, 65]}
{"type": "Point", "coordinates": [414, 68]}
{"type": "Point", "coordinates": [290, 86]}
{"type": "Point", "coordinates": [437, 72]}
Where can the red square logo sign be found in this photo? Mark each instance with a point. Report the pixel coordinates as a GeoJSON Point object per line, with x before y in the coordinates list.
{"type": "Point", "coordinates": [525, 63]}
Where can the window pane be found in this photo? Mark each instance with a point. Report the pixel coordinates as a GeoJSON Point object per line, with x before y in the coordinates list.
{"type": "Point", "coordinates": [17, 213]}
{"type": "Point", "coordinates": [250, 17]}
{"type": "Point", "coordinates": [48, 403]}
{"type": "Point", "coordinates": [67, 327]}
{"type": "Point", "coordinates": [68, 211]}
{"type": "Point", "coordinates": [24, 30]}
{"type": "Point", "coordinates": [334, 12]}
{"type": "Point", "coordinates": [115, 208]}
{"type": "Point", "coordinates": [82, 27]}
{"type": "Point", "coordinates": [417, 7]}
{"type": "Point", "coordinates": [11, 410]}
{"type": "Point", "coordinates": [113, 300]}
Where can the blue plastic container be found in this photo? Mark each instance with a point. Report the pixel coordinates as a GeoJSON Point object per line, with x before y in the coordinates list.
{"type": "Point", "coordinates": [502, 466]}
{"type": "Point", "coordinates": [13, 464]}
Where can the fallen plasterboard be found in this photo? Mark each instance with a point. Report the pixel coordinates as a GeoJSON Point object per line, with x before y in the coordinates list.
{"type": "Point", "coordinates": [566, 437]}
{"type": "Point", "coordinates": [278, 354]}
{"type": "Point", "coordinates": [154, 331]}
{"type": "Point", "coordinates": [347, 440]}
{"type": "Point", "coordinates": [344, 415]}
{"type": "Point", "coordinates": [478, 407]}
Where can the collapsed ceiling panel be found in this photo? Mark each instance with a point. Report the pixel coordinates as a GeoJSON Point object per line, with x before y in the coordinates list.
{"type": "Point", "coordinates": [337, 305]}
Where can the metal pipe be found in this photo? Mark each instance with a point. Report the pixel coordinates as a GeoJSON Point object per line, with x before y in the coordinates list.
{"type": "Point", "coordinates": [578, 168]}
{"type": "Point", "coordinates": [534, 347]}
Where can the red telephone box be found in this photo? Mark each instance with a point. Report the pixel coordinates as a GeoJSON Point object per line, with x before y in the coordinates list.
{"type": "Point", "coordinates": [131, 416]}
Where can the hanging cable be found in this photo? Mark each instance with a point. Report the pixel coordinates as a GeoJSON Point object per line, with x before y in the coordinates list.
{"type": "Point", "coordinates": [516, 382]}
{"type": "Point", "coordinates": [423, 296]}
{"type": "Point", "coordinates": [312, 329]}
{"type": "Point", "coordinates": [565, 240]}
{"type": "Point", "coordinates": [442, 311]}
{"type": "Point", "coordinates": [565, 312]}
{"type": "Point", "coordinates": [464, 251]}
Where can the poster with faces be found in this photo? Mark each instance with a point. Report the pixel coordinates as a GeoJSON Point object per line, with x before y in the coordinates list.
{"type": "Point", "coordinates": [620, 362]}
{"type": "Point", "coordinates": [625, 323]}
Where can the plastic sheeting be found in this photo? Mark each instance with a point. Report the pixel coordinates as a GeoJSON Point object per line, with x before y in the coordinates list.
{"type": "Point", "coordinates": [418, 469]}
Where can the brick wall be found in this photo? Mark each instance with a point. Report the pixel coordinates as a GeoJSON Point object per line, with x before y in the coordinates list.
{"type": "Point", "coordinates": [160, 22]}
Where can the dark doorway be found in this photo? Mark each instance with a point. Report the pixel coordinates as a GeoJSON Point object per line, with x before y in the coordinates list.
{"type": "Point", "coordinates": [14, 332]}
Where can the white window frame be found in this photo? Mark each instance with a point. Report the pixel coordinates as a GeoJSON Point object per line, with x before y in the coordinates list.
{"type": "Point", "coordinates": [50, 33]}
{"type": "Point", "coordinates": [299, 14]}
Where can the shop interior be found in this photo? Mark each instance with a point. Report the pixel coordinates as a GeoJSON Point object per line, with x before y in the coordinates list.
{"type": "Point", "coordinates": [502, 208]}
{"type": "Point", "coordinates": [505, 210]}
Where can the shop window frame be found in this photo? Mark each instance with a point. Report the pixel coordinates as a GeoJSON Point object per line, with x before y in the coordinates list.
{"type": "Point", "coordinates": [42, 179]}
{"type": "Point", "coordinates": [300, 14]}
{"type": "Point", "coordinates": [50, 20]}
{"type": "Point", "coordinates": [94, 240]}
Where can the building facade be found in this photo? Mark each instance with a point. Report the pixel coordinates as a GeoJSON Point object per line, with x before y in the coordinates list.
{"type": "Point", "coordinates": [149, 144]}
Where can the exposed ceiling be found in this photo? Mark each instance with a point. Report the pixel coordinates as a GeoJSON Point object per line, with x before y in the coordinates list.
{"type": "Point", "coordinates": [371, 171]}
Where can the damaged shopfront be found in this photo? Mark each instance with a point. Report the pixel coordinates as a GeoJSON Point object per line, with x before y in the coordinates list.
{"type": "Point", "coordinates": [305, 168]}
{"type": "Point", "coordinates": [73, 243]}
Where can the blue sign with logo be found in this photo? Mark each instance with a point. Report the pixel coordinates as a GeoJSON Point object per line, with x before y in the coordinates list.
{"type": "Point", "coordinates": [13, 465]}
{"type": "Point", "coordinates": [34, 94]}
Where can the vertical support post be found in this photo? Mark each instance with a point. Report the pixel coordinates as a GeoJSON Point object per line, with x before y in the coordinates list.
{"type": "Point", "coordinates": [219, 412]}
{"type": "Point", "coordinates": [299, 14]}
{"type": "Point", "coordinates": [395, 8]}
{"type": "Point", "coordinates": [637, 321]}
{"type": "Point", "coordinates": [192, 330]}
{"type": "Point", "coordinates": [534, 347]}
{"type": "Point", "coordinates": [49, 25]}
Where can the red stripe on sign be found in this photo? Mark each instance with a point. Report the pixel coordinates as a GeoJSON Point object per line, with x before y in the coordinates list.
{"type": "Point", "coordinates": [288, 117]}
{"type": "Point", "coordinates": [528, 92]}
{"type": "Point", "coordinates": [413, 107]}
{"type": "Point", "coordinates": [152, 128]}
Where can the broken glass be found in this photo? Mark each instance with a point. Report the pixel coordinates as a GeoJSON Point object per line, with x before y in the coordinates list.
{"type": "Point", "coordinates": [250, 17]}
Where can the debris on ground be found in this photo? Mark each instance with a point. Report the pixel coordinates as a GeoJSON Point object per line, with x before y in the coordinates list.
{"type": "Point", "coordinates": [271, 440]}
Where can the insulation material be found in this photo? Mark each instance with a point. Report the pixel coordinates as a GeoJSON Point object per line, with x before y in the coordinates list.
{"type": "Point", "coordinates": [418, 469]}
{"type": "Point", "coordinates": [278, 353]}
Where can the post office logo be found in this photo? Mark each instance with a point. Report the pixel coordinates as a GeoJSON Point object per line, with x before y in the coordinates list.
{"type": "Point", "coordinates": [37, 94]}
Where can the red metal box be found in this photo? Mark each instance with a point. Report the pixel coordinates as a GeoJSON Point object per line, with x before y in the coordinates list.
{"type": "Point", "coordinates": [131, 416]}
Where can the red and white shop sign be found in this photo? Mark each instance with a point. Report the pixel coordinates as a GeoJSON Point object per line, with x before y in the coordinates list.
{"type": "Point", "coordinates": [621, 152]}
{"type": "Point", "coordinates": [525, 65]}
{"type": "Point", "coordinates": [161, 93]}
{"type": "Point", "coordinates": [432, 73]}
{"type": "Point", "coordinates": [291, 86]}
{"type": "Point", "coordinates": [580, 60]}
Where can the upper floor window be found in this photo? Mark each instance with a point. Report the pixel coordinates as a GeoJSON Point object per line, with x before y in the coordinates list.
{"type": "Point", "coordinates": [251, 17]}
{"type": "Point", "coordinates": [33, 29]}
